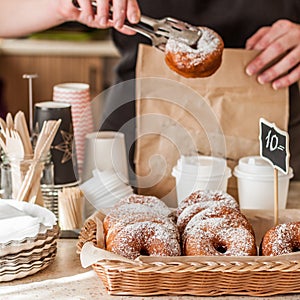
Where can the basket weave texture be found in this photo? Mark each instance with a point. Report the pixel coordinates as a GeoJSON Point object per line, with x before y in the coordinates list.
{"type": "Point", "coordinates": [201, 276]}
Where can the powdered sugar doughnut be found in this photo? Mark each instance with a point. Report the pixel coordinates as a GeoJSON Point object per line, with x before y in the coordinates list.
{"type": "Point", "coordinates": [130, 210]}
{"type": "Point", "coordinates": [281, 239]}
{"type": "Point", "coordinates": [144, 238]}
{"type": "Point", "coordinates": [141, 225]}
{"type": "Point", "coordinates": [136, 205]}
{"type": "Point", "coordinates": [215, 237]}
{"type": "Point", "coordinates": [200, 61]}
{"type": "Point", "coordinates": [207, 196]}
{"type": "Point", "coordinates": [211, 209]}
{"type": "Point", "coordinates": [151, 201]}
{"type": "Point", "coordinates": [137, 218]}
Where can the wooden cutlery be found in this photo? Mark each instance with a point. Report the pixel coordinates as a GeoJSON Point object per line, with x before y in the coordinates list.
{"type": "Point", "coordinates": [26, 163]}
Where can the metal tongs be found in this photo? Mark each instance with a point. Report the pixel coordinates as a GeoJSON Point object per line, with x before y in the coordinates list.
{"type": "Point", "coordinates": [159, 31]}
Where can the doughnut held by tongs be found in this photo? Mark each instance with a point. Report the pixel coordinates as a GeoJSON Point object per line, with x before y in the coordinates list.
{"type": "Point", "coordinates": [190, 51]}
{"type": "Point", "coordinates": [159, 31]}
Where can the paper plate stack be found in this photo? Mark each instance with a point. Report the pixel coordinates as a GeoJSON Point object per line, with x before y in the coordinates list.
{"type": "Point", "coordinates": [27, 239]}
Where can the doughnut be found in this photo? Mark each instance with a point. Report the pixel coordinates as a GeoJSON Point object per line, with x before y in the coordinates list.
{"type": "Point", "coordinates": [200, 211]}
{"type": "Point", "coordinates": [211, 223]}
{"type": "Point", "coordinates": [200, 61]}
{"type": "Point", "coordinates": [230, 216]}
{"type": "Point", "coordinates": [214, 237]}
{"type": "Point", "coordinates": [126, 211]}
{"type": "Point", "coordinates": [137, 205]}
{"type": "Point", "coordinates": [281, 239]}
{"type": "Point", "coordinates": [141, 225]}
{"type": "Point", "coordinates": [136, 218]}
{"type": "Point", "coordinates": [207, 196]}
{"type": "Point", "coordinates": [150, 201]}
{"type": "Point", "coordinates": [144, 238]}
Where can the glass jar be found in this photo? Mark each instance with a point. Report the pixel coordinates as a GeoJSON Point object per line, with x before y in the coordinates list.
{"type": "Point", "coordinates": [25, 178]}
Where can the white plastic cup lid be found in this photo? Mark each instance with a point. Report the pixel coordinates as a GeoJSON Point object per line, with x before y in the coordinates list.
{"type": "Point", "coordinates": [256, 166]}
{"type": "Point", "coordinates": [199, 176]}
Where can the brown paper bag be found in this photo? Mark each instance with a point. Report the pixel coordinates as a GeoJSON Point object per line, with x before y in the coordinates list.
{"type": "Point", "coordinates": [218, 116]}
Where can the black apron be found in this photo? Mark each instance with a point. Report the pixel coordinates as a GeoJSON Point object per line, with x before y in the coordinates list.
{"type": "Point", "coordinates": [234, 20]}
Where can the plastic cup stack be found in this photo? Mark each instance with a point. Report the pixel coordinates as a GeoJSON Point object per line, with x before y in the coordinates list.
{"type": "Point", "coordinates": [78, 95]}
{"type": "Point", "coordinates": [104, 189]}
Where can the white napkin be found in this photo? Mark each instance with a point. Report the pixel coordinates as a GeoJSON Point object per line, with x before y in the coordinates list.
{"type": "Point", "coordinates": [8, 211]}
{"type": "Point", "coordinates": [16, 225]}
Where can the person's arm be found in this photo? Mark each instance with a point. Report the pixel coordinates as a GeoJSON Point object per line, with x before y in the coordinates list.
{"type": "Point", "coordinates": [281, 40]}
{"type": "Point", "coordinates": [22, 17]}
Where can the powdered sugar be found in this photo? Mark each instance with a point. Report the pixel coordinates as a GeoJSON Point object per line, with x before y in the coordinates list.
{"type": "Point", "coordinates": [141, 225]}
{"type": "Point", "coordinates": [207, 197]}
{"type": "Point", "coordinates": [218, 239]}
{"type": "Point", "coordinates": [207, 44]}
{"type": "Point", "coordinates": [136, 205]}
{"type": "Point", "coordinates": [211, 223]}
{"type": "Point", "coordinates": [127, 210]}
{"type": "Point", "coordinates": [282, 239]}
{"type": "Point", "coordinates": [150, 201]}
{"type": "Point", "coordinates": [206, 209]}
{"type": "Point", "coordinates": [145, 238]}
{"type": "Point", "coordinates": [137, 218]}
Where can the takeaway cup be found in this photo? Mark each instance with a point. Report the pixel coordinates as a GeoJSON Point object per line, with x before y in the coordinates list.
{"type": "Point", "coordinates": [63, 152]}
{"type": "Point", "coordinates": [194, 173]}
{"type": "Point", "coordinates": [105, 151]}
{"type": "Point", "coordinates": [77, 94]}
{"type": "Point", "coordinates": [255, 179]}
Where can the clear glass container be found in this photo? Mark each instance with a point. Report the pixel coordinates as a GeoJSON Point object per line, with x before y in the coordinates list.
{"type": "Point", "coordinates": [28, 179]}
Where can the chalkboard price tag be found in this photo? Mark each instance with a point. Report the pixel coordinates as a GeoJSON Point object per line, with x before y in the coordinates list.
{"type": "Point", "coordinates": [274, 145]}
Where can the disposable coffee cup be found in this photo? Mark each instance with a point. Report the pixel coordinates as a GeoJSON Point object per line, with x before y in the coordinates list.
{"type": "Point", "coordinates": [194, 173]}
{"type": "Point", "coordinates": [105, 151]}
{"type": "Point", "coordinates": [63, 154]}
{"type": "Point", "coordinates": [255, 181]}
{"type": "Point", "coordinates": [77, 94]}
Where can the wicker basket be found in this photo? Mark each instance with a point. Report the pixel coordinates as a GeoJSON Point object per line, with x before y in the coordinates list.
{"type": "Point", "coordinates": [202, 276]}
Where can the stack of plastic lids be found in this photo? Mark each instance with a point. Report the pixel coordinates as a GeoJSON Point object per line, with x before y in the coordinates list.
{"type": "Point", "coordinates": [104, 189]}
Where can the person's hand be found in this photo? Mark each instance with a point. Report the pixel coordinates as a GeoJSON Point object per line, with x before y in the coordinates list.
{"type": "Point", "coordinates": [281, 40]}
{"type": "Point", "coordinates": [99, 17]}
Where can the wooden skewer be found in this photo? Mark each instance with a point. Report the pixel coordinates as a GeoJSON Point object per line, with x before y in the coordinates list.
{"type": "Point", "coordinates": [27, 182]}
{"type": "Point", "coordinates": [32, 178]}
{"type": "Point", "coordinates": [70, 203]}
{"type": "Point", "coordinates": [275, 196]}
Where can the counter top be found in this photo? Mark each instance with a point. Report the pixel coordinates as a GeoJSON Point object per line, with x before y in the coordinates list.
{"type": "Point", "coordinates": [66, 279]}
{"type": "Point", "coordinates": [104, 48]}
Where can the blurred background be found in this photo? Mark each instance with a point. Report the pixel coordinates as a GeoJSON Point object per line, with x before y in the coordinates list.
{"type": "Point", "coordinates": [71, 52]}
